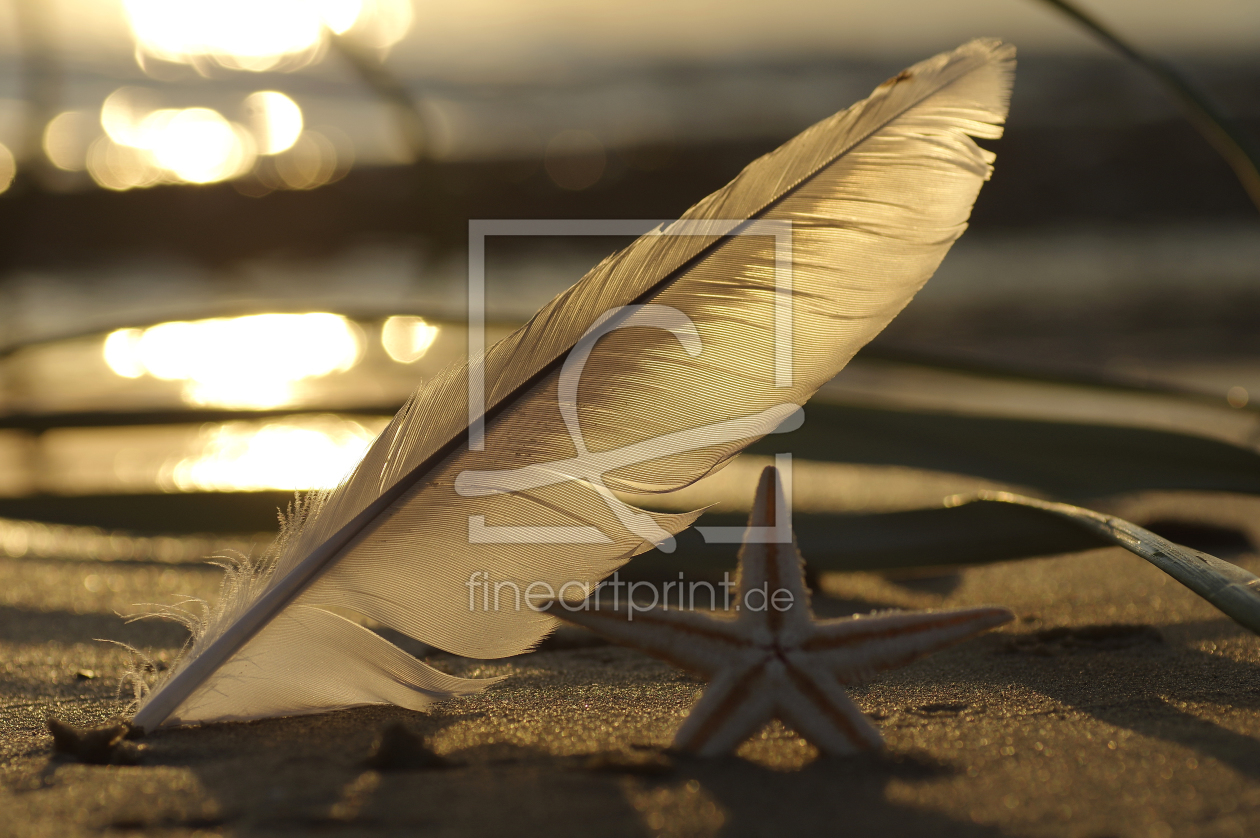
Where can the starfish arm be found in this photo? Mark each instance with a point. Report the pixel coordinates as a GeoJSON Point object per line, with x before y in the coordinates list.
{"type": "Point", "coordinates": [733, 707]}
{"type": "Point", "coordinates": [816, 706]}
{"type": "Point", "coordinates": [687, 639]}
{"type": "Point", "coordinates": [854, 647]}
{"type": "Point", "coordinates": [772, 595]}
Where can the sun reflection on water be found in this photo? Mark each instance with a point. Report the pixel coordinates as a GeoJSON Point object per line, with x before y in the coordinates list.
{"type": "Point", "coordinates": [259, 35]}
{"type": "Point", "coordinates": [238, 362]}
{"type": "Point", "coordinates": [144, 145]}
{"type": "Point", "coordinates": [299, 453]}
{"type": "Point", "coordinates": [253, 35]}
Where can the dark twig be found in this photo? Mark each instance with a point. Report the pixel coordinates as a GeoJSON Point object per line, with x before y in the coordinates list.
{"type": "Point", "coordinates": [389, 87]}
{"type": "Point", "coordinates": [1226, 137]}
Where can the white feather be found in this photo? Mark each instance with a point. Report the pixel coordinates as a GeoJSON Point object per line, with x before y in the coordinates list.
{"type": "Point", "coordinates": [875, 196]}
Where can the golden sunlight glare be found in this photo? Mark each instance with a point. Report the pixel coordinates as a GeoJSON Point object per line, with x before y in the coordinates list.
{"type": "Point", "coordinates": [243, 362]}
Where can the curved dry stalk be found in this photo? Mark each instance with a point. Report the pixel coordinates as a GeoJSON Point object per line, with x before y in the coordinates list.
{"type": "Point", "coordinates": [1233, 590]}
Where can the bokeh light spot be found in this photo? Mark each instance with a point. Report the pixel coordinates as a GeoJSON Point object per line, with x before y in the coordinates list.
{"type": "Point", "coordinates": [274, 119]}
{"type": "Point", "coordinates": [124, 110]}
{"type": "Point", "coordinates": [122, 353]}
{"type": "Point", "coordinates": [311, 162]}
{"type": "Point", "coordinates": [120, 167]}
{"type": "Point", "coordinates": [67, 137]}
{"type": "Point", "coordinates": [407, 339]}
{"type": "Point", "coordinates": [196, 145]}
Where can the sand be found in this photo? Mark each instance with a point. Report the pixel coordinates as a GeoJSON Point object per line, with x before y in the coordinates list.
{"type": "Point", "coordinates": [1119, 704]}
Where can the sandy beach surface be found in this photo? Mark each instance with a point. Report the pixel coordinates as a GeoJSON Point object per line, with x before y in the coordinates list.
{"type": "Point", "coordinates": [1118, 704]}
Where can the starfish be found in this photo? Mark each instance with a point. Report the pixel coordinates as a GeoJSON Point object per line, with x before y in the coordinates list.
{"type": "Point", "coordinates": [775, 660]}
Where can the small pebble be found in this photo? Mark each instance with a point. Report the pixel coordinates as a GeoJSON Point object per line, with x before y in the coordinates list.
{"type": "Point", "coordinates": [107, 745]}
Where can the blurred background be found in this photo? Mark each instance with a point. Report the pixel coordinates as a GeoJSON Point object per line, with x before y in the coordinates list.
{"type": "Point", "coordinates": [233, 238]}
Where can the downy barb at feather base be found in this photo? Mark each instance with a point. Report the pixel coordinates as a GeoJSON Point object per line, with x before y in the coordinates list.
{"type": "Point", "coordinates": [873, 196]}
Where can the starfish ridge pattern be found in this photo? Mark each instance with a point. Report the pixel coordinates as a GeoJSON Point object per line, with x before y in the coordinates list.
{"type": "Point", "coordinates": [774, 660]}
